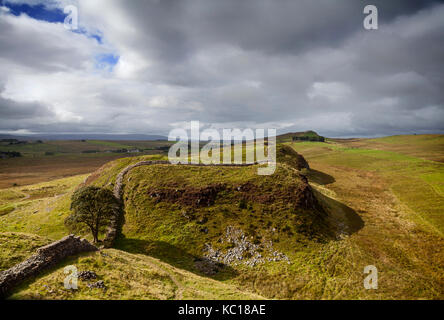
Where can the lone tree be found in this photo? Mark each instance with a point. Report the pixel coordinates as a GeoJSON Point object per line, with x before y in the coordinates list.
{"type": "Point", "coordinates": [94, 207]}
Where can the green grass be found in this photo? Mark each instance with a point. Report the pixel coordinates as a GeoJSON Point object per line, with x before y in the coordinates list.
{"type": "Point", "coordinates": [42, 210]}
{"type": "Point", "coordinates": [39, 219]}
{"type": "Point", "coordinates": [416, 182]}
{"type": "Point", "coordinates": [429, 147]}
{"type": "Point", "coordinates": [128, 276]}
{"type": "Point", "coordinates": [390, 200]}
{"type": "Point", "coordinates": [16, 247]}
{"type": "Point", "coordinates": [288, 137]}
{"type": "Point", "coordinates": [164, 221]}
{"type": "Point", "coordinates": [4, 210]}
{"type": "Point", "coordinates": [406, 140]}
{"type": "Point", "coordinates": [109, 144]}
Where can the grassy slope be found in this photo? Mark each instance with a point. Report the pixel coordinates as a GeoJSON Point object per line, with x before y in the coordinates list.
{"type": "Point", "coordinates": [39, 209]}
{"type": "Point", "coordinates": [400, 199]}
{"type": "Point", "coordinates": [328, 270]}
{"type": "Point", "coordinates": [37, 219]}
{"type": "Point", "coordinates": [309, 276]}
{"type": "Point", "coordinates": [16, 247]}
{"type": "Point", "coordinates": [174, 231]}
{"type": "Point", "coordinates": [401, 236]}
{"type": "Point", "coordinates": [430, 147]}
{"type": "Point", "coordinates": [128, 276]}
{"type": "Point", "coordinates": [417, 182]}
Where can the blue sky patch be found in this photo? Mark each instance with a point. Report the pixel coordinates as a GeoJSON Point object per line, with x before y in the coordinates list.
{"type": "Point", "coordinates": [97, 37]}
{"type": "Point", "coordinates": [106, 61]}
{"type": "Point", "coordinates": [43, 13]}
{"type": "Point", "coordinates": [38, 12]}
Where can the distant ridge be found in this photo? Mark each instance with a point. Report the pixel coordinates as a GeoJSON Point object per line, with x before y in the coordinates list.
{"type": "Point", "coordinates": [301, 136]}
{"type": "Point", "coordinates": [85, 136]}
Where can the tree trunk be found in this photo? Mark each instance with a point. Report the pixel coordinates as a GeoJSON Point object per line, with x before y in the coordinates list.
{"type": "Point", "coordinates": [95, 233]}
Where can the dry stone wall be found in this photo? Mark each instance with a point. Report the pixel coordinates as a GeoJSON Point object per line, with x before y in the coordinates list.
{"type": "Point", "coordinates": [44, 258]}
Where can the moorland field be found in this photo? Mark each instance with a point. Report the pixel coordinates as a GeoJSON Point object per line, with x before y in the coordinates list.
{"type": "Point", "coordinates": [50, 160]}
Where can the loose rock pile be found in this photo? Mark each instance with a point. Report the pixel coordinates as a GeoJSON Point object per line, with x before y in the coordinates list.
{"type": "Point", "coordinates": [97, 285]}
{"type": "Point", "coordinates": [91, 275]}
{"type": "Point", "coordinates": [87, 275]}
{"type": "Point", "coordinates": [243, 251]}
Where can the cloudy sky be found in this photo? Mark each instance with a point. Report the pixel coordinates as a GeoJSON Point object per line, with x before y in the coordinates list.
{"type": "Point", "coordinates": [150, 66]}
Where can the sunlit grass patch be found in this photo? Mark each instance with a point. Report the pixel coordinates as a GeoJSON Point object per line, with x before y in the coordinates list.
{"type": "Point", "coordinates": [127, 276]}
{"type": "Point", "coordinates": [16, 247]}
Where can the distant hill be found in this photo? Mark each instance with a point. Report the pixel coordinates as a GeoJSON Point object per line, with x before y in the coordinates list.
{"type": "Point", "coordinates": [86, 136]}
{"type": "Point", "coordinates": [301, 136]}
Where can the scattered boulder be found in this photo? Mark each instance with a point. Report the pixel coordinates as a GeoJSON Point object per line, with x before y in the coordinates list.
{"type": "Point", "coordinates": [97, 285]}
{"type": "Point", "coordinates": [242, 250]}
{"type": "Point", "coordinates": [87, 275]}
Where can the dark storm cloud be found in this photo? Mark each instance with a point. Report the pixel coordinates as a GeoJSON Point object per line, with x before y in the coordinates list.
{"type": "Point", "coordinates": [22, 115]}
{"type": "Point", "coordinates": [177, 27]}
{"type": "Point", "coordinates": [295, 65]}
{"type": "Point", "coordinates": [12, 110]}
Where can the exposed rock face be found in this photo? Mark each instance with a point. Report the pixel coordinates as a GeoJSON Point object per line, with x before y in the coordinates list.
{"type": "Point", "coordinates": [194, 197]}
{"type": "Point", "coordinates": [45, 257]}
{"type": "Point", "coordinates": [286, 154]}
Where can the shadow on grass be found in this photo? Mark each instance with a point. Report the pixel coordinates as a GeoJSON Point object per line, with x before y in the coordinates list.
{"type": "Point", "coordinates": [342, 216]}
{"type": "Point", "coordinates": [27, 282]}
{"type": "Point", "coordinates": [319, 177]}
{"type": "Point", "coordinates": [172, 255]}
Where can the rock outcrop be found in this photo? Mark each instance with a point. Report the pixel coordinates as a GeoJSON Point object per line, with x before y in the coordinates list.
{"type": "Point", "coordinates": [286, 154]}
{"type": "Point", "coordinates": [44, 258]}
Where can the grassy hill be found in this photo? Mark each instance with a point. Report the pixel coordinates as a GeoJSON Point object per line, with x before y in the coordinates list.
{"type": "Point", "coordinates": [428, 146]}
{"type": "Point", "coordinates": [190, 210]}
{"type": "Point", "coordinates": [193, 232]}
{"type": "Point", "coordinates": [300, 136]}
